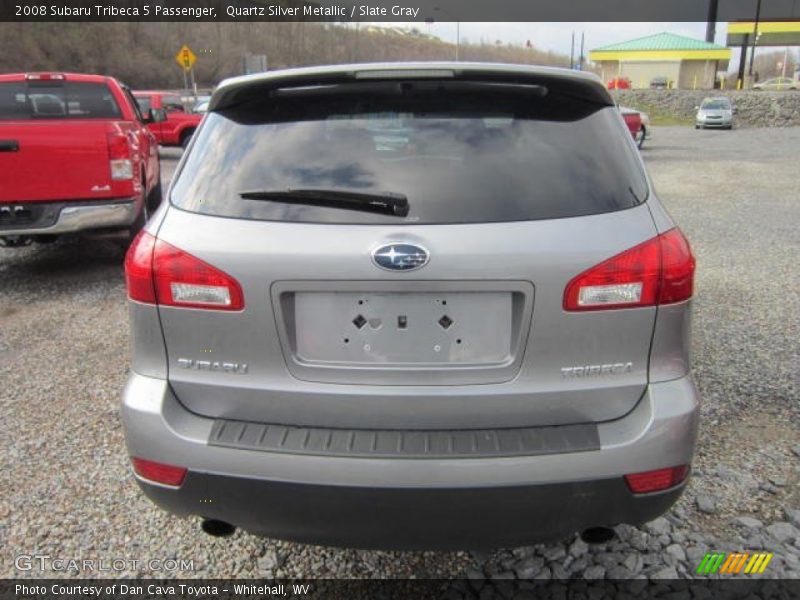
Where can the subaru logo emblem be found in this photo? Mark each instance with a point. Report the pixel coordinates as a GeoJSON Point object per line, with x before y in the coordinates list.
{"type": "Point", "coordinates": [400, 257]}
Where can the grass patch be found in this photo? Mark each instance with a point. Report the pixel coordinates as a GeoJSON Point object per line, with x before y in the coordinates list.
{"type": "Point", "coordinates": [660, 117]}
{"type": "Point", "coordinates": [668, 119]}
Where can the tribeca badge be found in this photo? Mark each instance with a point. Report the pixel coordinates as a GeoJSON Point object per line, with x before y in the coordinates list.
{"type": "Point", "coordinates": [735, 563]}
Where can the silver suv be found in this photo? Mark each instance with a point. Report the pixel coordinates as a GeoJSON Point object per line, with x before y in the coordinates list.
{"type": "Point", "coordinates": [429, 305]}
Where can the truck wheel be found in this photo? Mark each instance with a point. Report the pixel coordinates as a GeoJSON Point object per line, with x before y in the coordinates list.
{"type": "Point", "coordinates": [140, 220]}
{"type": "Point", "coordinates": [154, 198]}
{"type": "Point", "coordinates": [186, 137]}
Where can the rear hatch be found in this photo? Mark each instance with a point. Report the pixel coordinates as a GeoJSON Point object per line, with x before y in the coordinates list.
{"type": "Point", "coordinates": [54, 141]}
{"type": "Point", "coordinates": [513, 188]}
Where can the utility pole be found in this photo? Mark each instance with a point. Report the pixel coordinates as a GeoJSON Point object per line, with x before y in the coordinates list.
{"type": "Point", "coordinates": [458, 38]}
{"type": "Point", "coordinates": [755, 39]}
{"type": "Point", "coordinates": [711, 21]}
{"type": "Point", "coordinates": [580, 56]}
{"type": "Point", "coordinates": [572, 52]}
{"type": "Point", "coordinates": [742, 62]}
{"type": "Point", "coordinates": [785, 58]}
{"type": "Point", "coordinates": [458, 27]}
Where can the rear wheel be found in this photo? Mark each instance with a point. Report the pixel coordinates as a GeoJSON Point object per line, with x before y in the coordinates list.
{"type": "Point", "coordinates": [154, 198]}
{"type": "Point", "coordinates": [642, 135]}
{"type": "Point", "coordinates": [186, 137]}
{"type": "Point", "coordinates": [141, 218]}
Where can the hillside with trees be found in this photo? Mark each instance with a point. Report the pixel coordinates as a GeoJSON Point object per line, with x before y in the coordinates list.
{"type": "Point", "coordinates": [142, 54]}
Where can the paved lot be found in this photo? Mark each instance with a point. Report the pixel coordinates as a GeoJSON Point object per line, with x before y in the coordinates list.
{"type": "Point", "coordinates": [67, 491]}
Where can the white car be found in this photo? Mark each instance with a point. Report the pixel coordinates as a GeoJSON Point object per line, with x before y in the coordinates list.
{"type": "Point", "coordinates": [777, 84]}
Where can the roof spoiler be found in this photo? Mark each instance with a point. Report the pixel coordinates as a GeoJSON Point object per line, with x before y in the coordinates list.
{"type": "Point", "coordinates": [585, 86]}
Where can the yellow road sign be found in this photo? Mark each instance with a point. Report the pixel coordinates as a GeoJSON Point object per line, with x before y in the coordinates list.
{"type": "Point", "coordinates": [185, 57]}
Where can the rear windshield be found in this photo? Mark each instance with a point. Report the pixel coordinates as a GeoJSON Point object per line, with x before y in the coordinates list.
{"type": "Point", "coordinates": [458, 158]}
{"type": "Point", "coordinates": [57, 100]}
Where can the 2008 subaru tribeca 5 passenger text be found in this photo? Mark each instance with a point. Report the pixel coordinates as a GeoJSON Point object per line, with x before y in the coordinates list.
{"type": "Point", "coordinates": [429, 305]}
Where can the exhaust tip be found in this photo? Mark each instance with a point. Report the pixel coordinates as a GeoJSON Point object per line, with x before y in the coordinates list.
{"type": "Point", "coordinates": [597, 535]}
{"type": "Point", "coordinates": [216, 528]}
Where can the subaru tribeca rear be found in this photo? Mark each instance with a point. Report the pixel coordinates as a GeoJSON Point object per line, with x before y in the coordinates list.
{"type": "Point", "coordinates": [430, 305]}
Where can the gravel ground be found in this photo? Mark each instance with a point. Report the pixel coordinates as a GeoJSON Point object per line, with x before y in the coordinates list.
{"type": "Point", "coordinates": [63, 362]}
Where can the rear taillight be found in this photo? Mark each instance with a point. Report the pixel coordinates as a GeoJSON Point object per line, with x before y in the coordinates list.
{"type": "Point", "coordinates": [159, 273]}
{"type": "Point", "coordinates": [119, 156]}
{"type": "Point", "coordinates": [158, 472]}
{"type": "Point", "coordinates": [658, 271]}
{"type": "Point", "coordinates": [657, 480]}
{"type": "Point", "coordinates": [139, 269]}
{"type": "Point", "coordinates": [677, 268]}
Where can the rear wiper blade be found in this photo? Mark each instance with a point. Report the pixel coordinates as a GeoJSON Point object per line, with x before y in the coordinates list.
{"type": "Point", "coordinates": [382, 202]}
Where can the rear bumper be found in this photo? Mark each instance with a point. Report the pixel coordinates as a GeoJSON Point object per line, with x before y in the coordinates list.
{"type": "Point", "coordinates": [411, 518]}
{"type": "Point", "coordinates": [69, 217]}
{"type": "Point", "coordinates": [720, 123]}
{"type": "Point", "coordinates": [413, 502]}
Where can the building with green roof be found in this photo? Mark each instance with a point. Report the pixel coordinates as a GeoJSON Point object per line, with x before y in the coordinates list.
{"type": "Point", "coordinates": [685, 62]}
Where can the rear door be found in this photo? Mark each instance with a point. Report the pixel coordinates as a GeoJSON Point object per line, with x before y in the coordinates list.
{"type": "Point", "coordinates": [53, 139]}
{"type": "Point", "coordinates": [145, 103]}
{"type": "Point", "coordinates": [511, 194]}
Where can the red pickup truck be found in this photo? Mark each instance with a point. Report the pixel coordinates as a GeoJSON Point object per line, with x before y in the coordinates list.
{"type": "Point", "coordinates": [75, 155]}
{"type": "Point", "coordinates": [178, 126]}
{"type": "Point", "coordinates": [633, 119]}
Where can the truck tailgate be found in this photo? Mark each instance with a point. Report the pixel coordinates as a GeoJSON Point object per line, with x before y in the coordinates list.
{"type": "Point", "coordinates": [54, 160]}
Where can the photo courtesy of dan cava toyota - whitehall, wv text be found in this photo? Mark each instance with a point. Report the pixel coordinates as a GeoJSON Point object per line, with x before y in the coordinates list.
{"type": "Point", "coordinates": [438, 299]}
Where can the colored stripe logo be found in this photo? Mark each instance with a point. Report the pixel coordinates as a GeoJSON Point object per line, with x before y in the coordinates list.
{"type": "Point", "coordinates": [734, 563]}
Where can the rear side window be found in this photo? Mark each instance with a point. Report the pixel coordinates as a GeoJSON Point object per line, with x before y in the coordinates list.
{"type": "Point", "coordinates": [57, 100]}
{"type": "Point", "coordinates": [144, 102]}
{"type": "Point", "coordinates": [458, 157]}
{"type": "Point", "coordinates": [172, 102]}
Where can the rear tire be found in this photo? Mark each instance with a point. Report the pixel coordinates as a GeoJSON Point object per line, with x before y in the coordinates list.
{"type": "Point", "coordinates": [154, 198]}
{"type": "Point", "coordinates": [186, 137]}
{"type": "Point", "coordinates": [140, 221]}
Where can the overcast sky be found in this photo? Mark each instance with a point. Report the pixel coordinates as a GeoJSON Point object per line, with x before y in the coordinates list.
{"type": "Point", "coordinates": [557, 36]}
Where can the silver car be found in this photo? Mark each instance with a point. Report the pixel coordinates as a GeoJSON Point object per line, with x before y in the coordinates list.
{"type": "Point", "coordinates": [473, 334]}
{"type": "Point", "coordinates": [714, 112]}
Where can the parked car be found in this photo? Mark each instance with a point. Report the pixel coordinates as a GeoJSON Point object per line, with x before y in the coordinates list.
{"type": "Point", "coordinates": [75, 155]}
{"type": "Point", "coordinates": [638, 124]}
{"type": "Point", "coordinates": [333, 336]}
{"type": "Point", "coordinates": [201, 107]}
{"type": "Point", "coordinates": [659, 83]}
{"type": "Point", "coordinates": [200, 104]}
{"type": "Point", "coordinates": [777, 84]}
{"type": "Point", "coordinates": [177, 127]}
{"type": "Point", "coordinates": [714, 112]}
{"type": "Point", "coordinates": [619, 83]}
{"type": "Point", "coordinates": [646, 131]}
